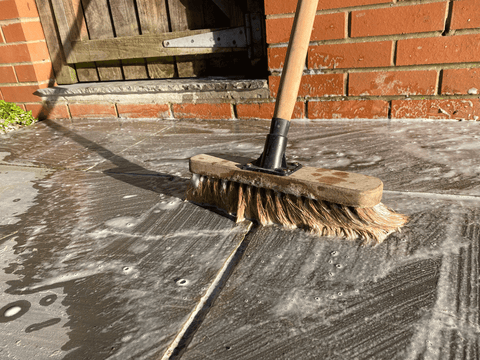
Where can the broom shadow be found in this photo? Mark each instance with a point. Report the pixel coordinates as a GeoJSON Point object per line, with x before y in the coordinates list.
{"type": "Point", "coordinates": [136, 175]}
{"type": "Point", "coordinates": [125, 170]}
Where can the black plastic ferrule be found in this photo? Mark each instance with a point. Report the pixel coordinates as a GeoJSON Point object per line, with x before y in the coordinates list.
{"type": "Point", "coordinates": [273, 156]}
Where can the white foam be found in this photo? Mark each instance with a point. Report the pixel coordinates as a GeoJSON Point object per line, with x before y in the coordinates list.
{"type": "Point", "coordinates": [170, 205]}
{"type": "Point", "coordinates": [14, 310]}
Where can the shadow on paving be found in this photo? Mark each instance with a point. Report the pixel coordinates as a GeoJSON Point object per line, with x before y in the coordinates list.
{"type": "Point", "coordinates": [118, 260]}
{"type": "Point", "coordinates": [124, 166]}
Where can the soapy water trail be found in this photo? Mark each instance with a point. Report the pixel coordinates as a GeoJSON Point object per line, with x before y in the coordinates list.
{"type": "Point", "coordinates": [32, 317]}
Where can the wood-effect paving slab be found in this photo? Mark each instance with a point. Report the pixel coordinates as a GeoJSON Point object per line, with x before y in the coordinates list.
{"type": "Point", "coordinates": [299, 296]}
{"type": "Point", "coordinates": [105, 266]}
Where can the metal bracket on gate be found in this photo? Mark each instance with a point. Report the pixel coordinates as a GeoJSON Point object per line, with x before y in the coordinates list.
{"type": "Point", "coordinates": [229, 38]}
{"type": "Point", "coordinates": [249, 36]}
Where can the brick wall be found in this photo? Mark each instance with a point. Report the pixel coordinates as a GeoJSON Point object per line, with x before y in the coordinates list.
{"type": "Point", "coordinates": [25, 64]}
{"type": "Point", "coordinates": [384, 59]}
{"type": "Point", "coordinates": [367, 59]}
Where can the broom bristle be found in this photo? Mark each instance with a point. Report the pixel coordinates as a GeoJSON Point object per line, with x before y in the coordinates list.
{"type": "Point", "coordinates": [316, 216]}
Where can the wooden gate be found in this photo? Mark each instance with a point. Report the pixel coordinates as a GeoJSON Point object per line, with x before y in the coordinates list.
{"type": "Point", "coordinates": [104, 40]}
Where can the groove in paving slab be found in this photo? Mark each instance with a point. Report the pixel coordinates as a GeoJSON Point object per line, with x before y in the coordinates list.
{"type": "Point", "coordinates": [183, 338]}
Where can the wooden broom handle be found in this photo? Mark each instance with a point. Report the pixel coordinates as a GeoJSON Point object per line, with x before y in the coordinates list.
{"type": "Point", "coordinates": [295, 59]}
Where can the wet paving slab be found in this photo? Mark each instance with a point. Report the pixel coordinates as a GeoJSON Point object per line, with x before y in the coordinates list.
{"type": "Point", "coordinates": [106, 267]}
{"type": "Point", "coordinates": [415, 296]}
{"type": "Point", "coordinates": [101, 258]}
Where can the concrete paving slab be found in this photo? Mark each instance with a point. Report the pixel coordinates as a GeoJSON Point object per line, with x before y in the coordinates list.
{"type": "Point", "coordinates": [98, 266]}
{"type": "Point", "coordinates": [100, 205]}
{"type": "Point", "coordinates": [441, 156]}
{"type": "Point", "coordinates": [420, 156]}
{"type": "Point", "coordinates": [297, 296]}
{"type": "Point", "coordinates": [16, 191]}
{"type": "Point", "coordinates": [54, 144]}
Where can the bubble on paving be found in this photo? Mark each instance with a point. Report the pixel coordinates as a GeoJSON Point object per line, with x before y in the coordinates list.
{"type": "Point", "coordinates": [123, 222]}
{"type": "Point", "coordinates": [12, 311]}
{"type": "Point", "coordinates": [182, 282]}
{"type": "Point", "coordinates": [170, 205]}
{"type": "Point", "coordinates": [129, 196]}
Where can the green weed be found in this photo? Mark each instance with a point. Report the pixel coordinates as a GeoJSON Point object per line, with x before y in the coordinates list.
{"type": "Point", "coordinates": [13, 117]}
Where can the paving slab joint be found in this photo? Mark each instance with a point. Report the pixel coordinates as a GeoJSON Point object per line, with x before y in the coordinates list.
{"type": "Point", "coordinates": [195, 320]}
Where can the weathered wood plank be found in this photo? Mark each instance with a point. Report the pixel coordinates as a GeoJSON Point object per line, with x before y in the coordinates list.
{"type": "Point", "coordinates": [100, 27]}
{"type": "Point", "coordinates": [67, 17]}
{"type": "Point", "coordinates": [72, 27]}
{"type": "Point", "coordinates": [184, 15]}
{"type": "Point", "coordinates": [161, 67]}
{"type": "Point", "coordinates": [86, 72]}
{"type": "Point", "coordinates": [140, 46]}
{"type": "Point", "coordinates": [153, 18]}
{"type": "Point", "coordinates": [125, 24]}
{"type": "Point", "coordinates": [64, 74]}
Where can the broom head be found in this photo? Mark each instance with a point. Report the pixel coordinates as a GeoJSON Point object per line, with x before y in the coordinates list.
{"type": "Point", "coordinates": [324, 202]}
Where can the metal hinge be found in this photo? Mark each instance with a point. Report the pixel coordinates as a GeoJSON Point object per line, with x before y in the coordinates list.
{"type": "Point", "coordinates": [249, 36]}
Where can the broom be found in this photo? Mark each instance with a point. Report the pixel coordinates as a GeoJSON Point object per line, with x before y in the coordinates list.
{"type": "Point", "coordinates": [270, 190]}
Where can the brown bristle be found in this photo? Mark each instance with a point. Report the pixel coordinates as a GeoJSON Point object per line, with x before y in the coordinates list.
{"type": "Point", "coordinates": [242, 204]}
{"type": "Point", "coordinates": [270, 206]}
{"type": "Point", "coordinates": [282, 212]}
{"type": "Point", "coordinates": [317, 216]}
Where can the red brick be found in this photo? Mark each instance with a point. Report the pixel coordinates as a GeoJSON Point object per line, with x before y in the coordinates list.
{"type": "Point", "coordinates": [26, 8]}
{"type": "Point", "coordinates": [351, 109]}
{"type": "Point", "coordinates": [143, 111]}
{"type": "Point", "coordinates": [25, 31]}
{"type": "Point", "coordinates": [461, 81]}
{"type": "Point", "coordinates": [265, 111]}
{"type": "Point", "coordinates": [21, 94]}
{"type": "Point", "coordinates": [289, 6]}
{"type": "Point", "coordinates": [8, 10]}
{"type": "Point", "coordinates": [276, 58]}
{"type": "Point", "coordinates": [42, 111]}
{"type": "Point", "coordinates": [7, 75]}
{"type": "Point", "coordinates": [465, 14]}
{"type": "Point", "coordinates": [436, 109]}
{"type": "Point", "coordinates": [438, 50]}
{"type": "Point", "coordinates": [1, 95]}
{"type": "Point", "coordinates": [314, 85]}
{"type": "Point", "coordinates": [326, 27]}
{"type": "Point", "coordinates": [356, 55]}
{"type": "Point", "coordinates": [399, 20]}
{"type": "Point", "coordinates": [34, 72]}
{"type": "Point", "coordinates": [14, 53]}
{"type": "Point", "coordinates": [38, 51]}
{"type": "Point", "coordinates": [92, 110]}
{"type": "Point", "coordinates": [392, 83]}
{"type": "Point", "coordinates": [202, 111]}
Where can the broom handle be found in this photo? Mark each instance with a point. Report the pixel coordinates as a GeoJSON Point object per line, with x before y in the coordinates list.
{"type": "Point", "coordinates": [273, 156]}
{"type": "Point", "coordinates": [295, 59]}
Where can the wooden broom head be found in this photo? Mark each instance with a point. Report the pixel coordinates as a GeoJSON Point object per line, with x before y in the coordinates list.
{"type": "Point", "coordinates": [340, 187]}
{"type": "Point", "coordinates": [323, 202]}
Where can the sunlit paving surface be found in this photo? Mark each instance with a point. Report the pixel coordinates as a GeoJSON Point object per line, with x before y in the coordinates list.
{"type": "Point", "coordinates": [101, 257]}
